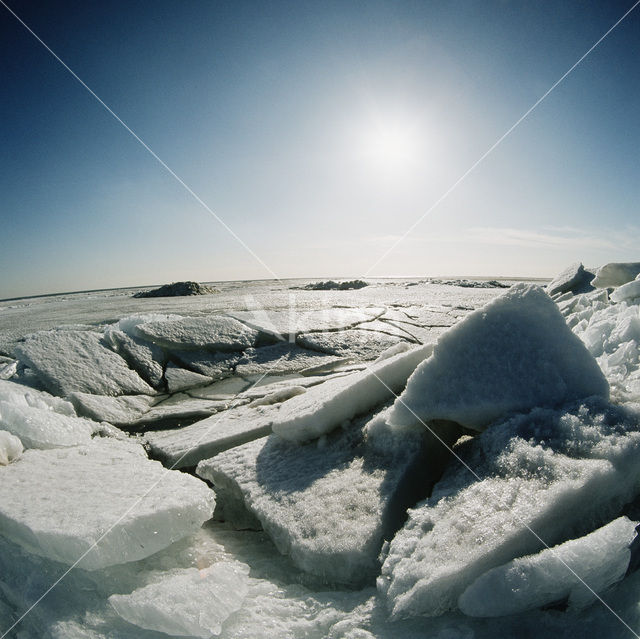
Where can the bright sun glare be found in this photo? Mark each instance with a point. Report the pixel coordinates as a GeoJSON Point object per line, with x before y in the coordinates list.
{"type": "Point", "coordinates": [390, 144]}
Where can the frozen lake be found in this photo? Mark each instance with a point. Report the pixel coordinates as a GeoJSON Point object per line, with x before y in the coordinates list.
{"type": "Point", "coordinates": [305, 423]}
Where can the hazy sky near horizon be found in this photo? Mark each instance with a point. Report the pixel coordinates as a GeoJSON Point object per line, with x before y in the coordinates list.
{"type": "Point", "coordinates": [319, 132]}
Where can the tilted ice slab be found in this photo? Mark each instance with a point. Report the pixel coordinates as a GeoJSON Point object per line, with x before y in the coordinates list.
{"type": "Point", "coordinates": [20, 395]}
{"type": "Point", "coordinates": [514, 354]}
{"type": "Point", "coordinates": [550, 476]}
{"type": "Point", "coordinates": [41, 420]}
{"type": "Point", "coordinates": [287, 324]}
{"type": "Point", "coordinates": [184, 447]}
{"type": "Point", "coordinates": [324, 407]}
{"type": "Point", "coordinates": [188, 602]}
{"type": "Point", "coordinates": [329, 504]}
{"type": "Point", "coordinates": [213, 365]}
{"type": "Point", "coordinates": [179, 379]}
{"type": "Point", "coordinates": [211, 332]}
{"type": "Point", "coordinates": [577, 571]}
{"type": "Point", "coordinates": [144, 357]}
{"type": "Point", "coordinates": [98, 505]}
{"type": "Point", "coordinates": [67, 361]}
{"type": "Point", "coordinates": [138, 411]}
{"type": "Point", "coordinates": [628, 291]}
{"type": "Point", "coordinates": [574, 278]}
{"type": "Point", "coordinates": [10, 447]}
{"type": "Point", "coordinates": [616, 274]}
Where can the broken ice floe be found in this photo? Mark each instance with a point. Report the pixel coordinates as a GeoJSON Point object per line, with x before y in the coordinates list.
{"type": "Point", "coordinates": [535, 480]}
{"type": "Point", "coordinates": [616, 274]}
{"type": "Point", "coordinates": [328, 505]}
{"type": "Point", "coordinates": [67, 361]}
{"type": "Point", "coordinates": [188, 602]}
{"type": "Point", "coordinates": [325, 407]}
{"type": "Point", "coordinates": [211, 332]}
{"type": "Point", "coordinates": [98, 505]}
{"type": "Point", "coordinates": [574, 279]}
{"type": "Point", "coordinates": [514, 354]}
{"type": "Point", "coordinates": [577, 571]}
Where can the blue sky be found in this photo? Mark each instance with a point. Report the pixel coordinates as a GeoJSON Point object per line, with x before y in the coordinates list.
{"type": "Point", "coordinates": [319, 132]}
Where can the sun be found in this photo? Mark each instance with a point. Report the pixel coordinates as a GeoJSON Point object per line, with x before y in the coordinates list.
{"type": "Point", "coordinates": [390, 144]}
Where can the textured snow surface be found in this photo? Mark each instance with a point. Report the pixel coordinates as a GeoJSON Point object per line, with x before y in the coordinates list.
{"type": "Point", "coordinates": [577, 570]}
{"type": "Point", "coordinates": [514, 354]}
{"type": "Point", "coordinates": [616, 274]}
{"type": "Point", "coordinates": [558, 473]}
{"type": "Point", "coordinates": [188, 602]}
{"type": "Point", "coordinates": [10, 447]}
{"type": "Point", "coordinates": [69, 360]}
{"type": "Point", "coordinates": [101, 504]}
{"type": "Point", "coordinates": [327, 504]}
{"type": "Point", "coordinates": [325, 407]}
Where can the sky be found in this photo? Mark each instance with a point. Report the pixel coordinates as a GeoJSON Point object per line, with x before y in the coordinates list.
{"type": "Point", "coordinates": [329, 137]}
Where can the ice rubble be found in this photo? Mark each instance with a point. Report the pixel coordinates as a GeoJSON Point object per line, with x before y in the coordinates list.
{"type": "Point", "coordinates": [328, 505]}
{"type": "Point", "coordinates": [325, 407]}
{"type": "Point", "coordinates": [577, 571]}
{"type": "Point", "coordinates": [514, 354]}
{"type": "Point", "coordinates": [70, 360]}
{"type": "Point", "coordinates": [559, 473]}
{"type": "Point", "coordinates": [611, 333]}
{"type": "Point", "coordinates": [189, 602]}
{"type": "Point", "coordinates": [10, 447]}
{"type": "Point", "coordinates": [98, 505]}
{"type": "Point", "coordinates": [616, 274]}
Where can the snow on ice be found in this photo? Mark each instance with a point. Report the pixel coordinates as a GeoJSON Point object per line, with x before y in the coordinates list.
{"type": "Point", "coordinates": [513, 355]}
{"type": "Point", "coordinates": [576, 571]}
{"type": "Point", "coordinates": [100, 504]}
